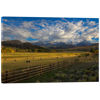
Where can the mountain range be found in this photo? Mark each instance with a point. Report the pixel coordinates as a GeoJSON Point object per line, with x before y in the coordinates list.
{"type": "Point", "coordinates": [62, 45]}
{"type": "Point", "coordinates": [46, 46]}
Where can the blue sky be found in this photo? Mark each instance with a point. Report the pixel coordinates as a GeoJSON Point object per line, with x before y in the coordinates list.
{"type": "Point", "coordinates": [33, 29]}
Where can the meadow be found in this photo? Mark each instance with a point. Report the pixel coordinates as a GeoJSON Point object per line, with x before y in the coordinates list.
{"type": "Point", "coordinates": [83, 68]}
{"type": "Point", "coordinates": [79, 66]}
{"type": "Point", "coordinates": [17, 60]}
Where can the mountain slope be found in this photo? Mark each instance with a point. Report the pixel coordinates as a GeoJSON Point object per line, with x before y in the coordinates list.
{"type": "Point", "coordinates": [22, 45]}
{"type": "Point", "coordinates": [85, 48]}
{"type": "Point", "coordinates": [54, 45]}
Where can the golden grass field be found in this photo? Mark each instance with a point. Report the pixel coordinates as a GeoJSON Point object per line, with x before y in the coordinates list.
{"type": "Point", "coordinates": [81, 66]}
{"type": "Point", "coordinates": [17, 60]}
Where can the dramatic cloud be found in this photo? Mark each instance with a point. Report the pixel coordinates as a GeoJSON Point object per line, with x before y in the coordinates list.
{"type": "Point", "coordinates": [52, 31]}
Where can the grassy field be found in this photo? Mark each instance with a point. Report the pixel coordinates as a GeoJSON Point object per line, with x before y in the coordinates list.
{"type": "Point", "coordinates": [17, 60]}
{"type": "Point", "coordinates": [77, 69]}
{"type": "Point", "coordinates": [81, 66]}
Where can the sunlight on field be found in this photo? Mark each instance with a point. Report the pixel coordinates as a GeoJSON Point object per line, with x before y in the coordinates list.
{"type": "Point", "coordinates": [63, 67]}
{"type": "Point", "coordinates": [18, 60]}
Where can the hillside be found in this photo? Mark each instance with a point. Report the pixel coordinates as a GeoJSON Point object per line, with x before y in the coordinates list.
{"type": "Point", "coordinates": [84, 48]}
{"type": "Point", "coordinates": [54, 45]}
{"type": "Point", "coordinates": [21, 46]}
{"type": "Point", "coordinates": [63, 45]}
{"type": "Point", "coordinates": [46, 47]}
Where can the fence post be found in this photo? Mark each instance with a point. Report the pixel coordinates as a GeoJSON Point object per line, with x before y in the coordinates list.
{"type": "Point", "coordinates": [63, 63]}
{"type": "Point", "coordinates": [50, 67]}
{"type": "Point", "coordinates": [41, 69]}
{"type": "Point", "coordinates": [58, 65]}
{"type": "Point", "coordinates": [6, 76]}
{"type": "Point", "coordinates": [28, 71]}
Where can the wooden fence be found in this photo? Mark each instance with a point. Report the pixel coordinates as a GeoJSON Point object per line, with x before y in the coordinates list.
{"type": "Point", "coordinates": [17, 75]}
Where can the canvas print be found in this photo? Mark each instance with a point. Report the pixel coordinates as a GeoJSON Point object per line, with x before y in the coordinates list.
{"type": "Point", "coordinates": [47, 49]}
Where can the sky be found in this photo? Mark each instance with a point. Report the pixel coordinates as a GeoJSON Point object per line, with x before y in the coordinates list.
{"type": "Point", "coordinates": [45, 29]}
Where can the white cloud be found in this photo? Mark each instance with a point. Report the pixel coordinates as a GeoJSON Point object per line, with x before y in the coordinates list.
{"type": "Point", "coordinates": [57, 31]}
{"type": "Point", "coordinates": [91, 23]}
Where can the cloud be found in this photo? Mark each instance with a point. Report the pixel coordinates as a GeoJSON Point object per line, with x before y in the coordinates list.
{"type": "Point", "coordinates": [9, 31]}
{"type": "Point", "coordinates": [92, 23]}
{"type": "Point", "coordinates": [52, 31]}
{"type": "Point", "coordinates": [57, 33]}
{"type": "Point", "coordinates": [5, 20]}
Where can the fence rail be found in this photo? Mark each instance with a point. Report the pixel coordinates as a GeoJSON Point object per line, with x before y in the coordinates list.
{"type": "Point", "coordinates": [28, 72]}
